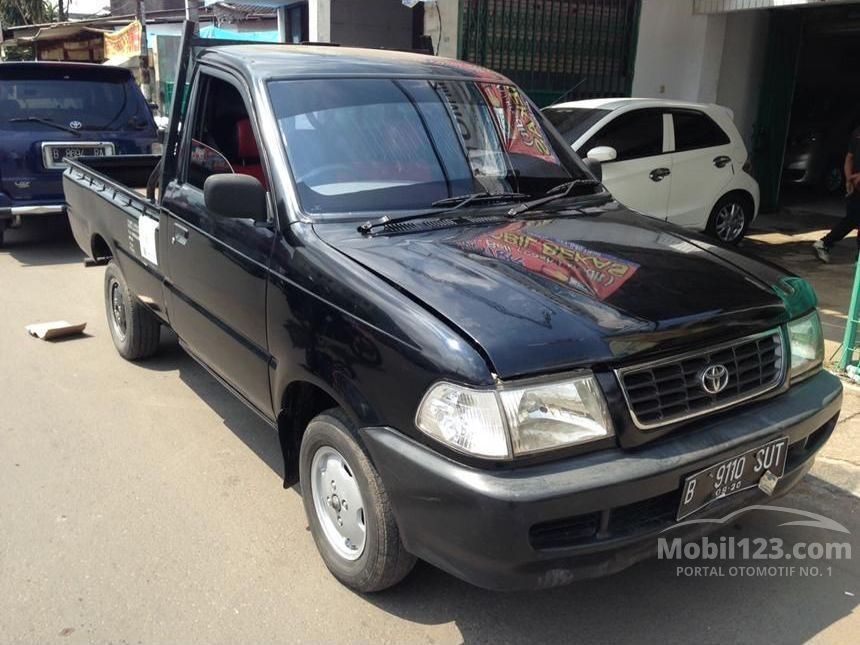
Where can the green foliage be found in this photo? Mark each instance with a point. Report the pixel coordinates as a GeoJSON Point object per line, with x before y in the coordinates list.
{"type": "Point", "coordinates": [30, 12]}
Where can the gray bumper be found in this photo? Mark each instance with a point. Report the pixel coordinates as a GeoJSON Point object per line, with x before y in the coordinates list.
{"type": "Point", "coordinates": [13, 212]}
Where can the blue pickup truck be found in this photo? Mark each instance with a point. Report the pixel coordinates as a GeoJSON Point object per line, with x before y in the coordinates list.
{"type": "Point", "coordinates": [53, 111]}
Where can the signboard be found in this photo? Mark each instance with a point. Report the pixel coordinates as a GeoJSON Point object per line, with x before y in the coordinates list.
{"type": "Point", "coordinates": [125, 42]}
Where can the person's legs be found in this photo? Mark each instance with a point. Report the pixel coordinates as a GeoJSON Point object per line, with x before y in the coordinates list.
{"type": "Point", "coordinates": [843, 227]}
{"type": "Point", "coordinates": [846, 224]}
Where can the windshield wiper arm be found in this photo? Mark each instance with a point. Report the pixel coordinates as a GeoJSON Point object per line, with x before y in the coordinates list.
{"type": "Point", "coordinates": [459, 201]}
{"type": "Point", "coordinates": [37, 119]}
{"type": "Point", "coordinates": [558, 192]}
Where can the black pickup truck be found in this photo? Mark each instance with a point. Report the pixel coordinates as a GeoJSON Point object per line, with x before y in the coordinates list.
{"type": "Point", "coordinates": [471, 352]}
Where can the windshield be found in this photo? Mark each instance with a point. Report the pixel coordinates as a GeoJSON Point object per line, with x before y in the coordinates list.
{"type": "Point", "coordinates": [96, 100]}
{"type": "Point", "coordinates": [359, 145]}
{"type": "Point", "coordinates": [572, 123]}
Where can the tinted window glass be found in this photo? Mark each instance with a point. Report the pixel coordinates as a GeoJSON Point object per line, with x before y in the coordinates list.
{"type": "Point", "coordinates": [573, 122]}
{"type": "Point", "coordinates": [96, 99]}
{"type": "Point", "coordinates": [222, 140]}
{"type": "Point", "coordinates": [383, 144]}
{"type": "Point", "coordinates": [632, 134]}
{"type": "Point", "coordinates": [696, 130]}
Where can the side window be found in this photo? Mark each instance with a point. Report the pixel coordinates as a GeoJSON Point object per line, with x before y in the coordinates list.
{"type": "Point", "coordinates": [634, 134]}
{"type": "Point", "coordinates": [222, 139]}
{"type": "Point", "coordinates": [695, 129]}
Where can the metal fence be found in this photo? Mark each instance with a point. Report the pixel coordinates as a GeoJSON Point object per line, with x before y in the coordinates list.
{"type": "Point", "coordinates": [552, 48]}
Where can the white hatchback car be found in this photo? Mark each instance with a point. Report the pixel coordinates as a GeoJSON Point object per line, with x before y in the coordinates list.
{"type": "Point", "coordinates": [681, 162]}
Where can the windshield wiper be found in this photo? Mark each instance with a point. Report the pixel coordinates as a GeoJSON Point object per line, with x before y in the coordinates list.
{"type": "Point", "coordinates": [458, 201]}
{"type": "Point", "coordinates": [38, 119]}
{"type": "Point", "coordinates": [558, 192]}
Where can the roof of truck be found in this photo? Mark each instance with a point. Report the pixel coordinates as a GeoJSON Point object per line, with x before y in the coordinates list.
{"type": "Point", "coordinates": [310, 61]}
{"type": "Point", "coordinates": [61, 66]}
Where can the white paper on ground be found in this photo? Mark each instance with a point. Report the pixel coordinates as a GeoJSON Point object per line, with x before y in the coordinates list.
{"type": "Point", "coordinates": [147, 229]}
{"type": "Point", "coordinates": [57, 329]}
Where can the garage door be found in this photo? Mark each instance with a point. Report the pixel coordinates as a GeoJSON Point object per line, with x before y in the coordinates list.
{"type": "Point", "coordinates": [552, 48]}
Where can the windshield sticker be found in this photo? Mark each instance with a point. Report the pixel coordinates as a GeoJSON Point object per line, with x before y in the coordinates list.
{"type": "Point", "coordinates": [571, 264]}
{"type": "Point", "coordinates": [520, 130]}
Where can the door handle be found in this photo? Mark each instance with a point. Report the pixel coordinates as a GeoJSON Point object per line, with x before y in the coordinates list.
{"type": "Point", "coordinates": [722, 160]}
{"type": "Point", "coordinates": [658, 173]}
{"type": "Point", "coordinates": [180, 235]}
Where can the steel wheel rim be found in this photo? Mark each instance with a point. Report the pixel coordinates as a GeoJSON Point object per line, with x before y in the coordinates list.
{"type": "Point", "coordinates": [338, 503]}
{"type": "Point", "coordinates": [117, 306]}
{"type": "Point", "coordinates": [730, 221]}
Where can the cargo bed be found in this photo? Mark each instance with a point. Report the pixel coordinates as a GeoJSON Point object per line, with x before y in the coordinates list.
{"type": "Point", "coordinates": [107, 196]}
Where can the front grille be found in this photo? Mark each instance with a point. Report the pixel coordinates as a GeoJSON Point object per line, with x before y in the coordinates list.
{"type": "Point", "coordinates": [671, 390]}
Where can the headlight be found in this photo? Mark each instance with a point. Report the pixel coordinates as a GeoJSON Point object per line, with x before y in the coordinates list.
{"type": "Point", "coordinates": [514, 421]}
{"type": "Point", "coordinates": [806, 343]}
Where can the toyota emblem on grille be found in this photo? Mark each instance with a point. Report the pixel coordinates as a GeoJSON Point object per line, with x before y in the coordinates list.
{"type": "Point", "coordinates": [714, 378]}
{"type": "Point", "coordinates": [75, 125]}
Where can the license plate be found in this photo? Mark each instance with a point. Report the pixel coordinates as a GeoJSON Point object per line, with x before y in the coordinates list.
{"type": "Point", "coordinates": [731, 476]}
{"type": "Point", "coordinates": [55, 154]}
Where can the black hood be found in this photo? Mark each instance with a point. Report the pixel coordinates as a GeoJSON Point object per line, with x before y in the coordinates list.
{"type": "Point", "coordinates": [554, 291]}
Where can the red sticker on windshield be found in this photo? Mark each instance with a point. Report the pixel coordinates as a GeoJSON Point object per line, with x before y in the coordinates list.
{"type": "Point", "coordinates": [520, 130]}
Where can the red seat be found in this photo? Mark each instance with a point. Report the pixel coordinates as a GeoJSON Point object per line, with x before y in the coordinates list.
{"type": "Point", "coordinates": [247, 152]}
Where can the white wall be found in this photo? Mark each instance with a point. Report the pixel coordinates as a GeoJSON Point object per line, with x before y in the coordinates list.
{"type": "Point", "coordinates": [678, 53]}
{"type": "Point", "coordinates": [448, 10]}
{"type": "Point", "coordinates": [703, 58]}
{"type": "Point", "coordinates": [319, 21]}
{"type": "Point", "coordinates": [742, 67]}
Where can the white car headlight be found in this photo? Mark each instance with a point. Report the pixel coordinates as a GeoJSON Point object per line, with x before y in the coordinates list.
{"type": "Point", "coordinates": [806, 343]}
{"type": "Point", "coordinates": [514, 421]}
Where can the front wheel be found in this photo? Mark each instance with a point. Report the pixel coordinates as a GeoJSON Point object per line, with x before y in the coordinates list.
{"type": "Point", "coordinates": [833, 181]}
{"type": "Point", "coordinates": [730, 218]}
{"type": "Point", "coordinates": [134, 329]}
{"type": "Point", "coordinates": [347, 507]}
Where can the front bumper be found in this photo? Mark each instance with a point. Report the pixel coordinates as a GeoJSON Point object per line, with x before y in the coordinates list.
{"type": "Point", "coordinates": [589, 515]}
{"type": "Point", "coordinates": [802, 167]}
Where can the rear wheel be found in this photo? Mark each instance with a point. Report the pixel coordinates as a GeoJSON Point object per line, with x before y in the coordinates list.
{"type": "Point", "coordinates": [347, 507]}
{"type": "Point", "coordinates": [134, 329]}
{"type": "Point", "coordinates": [730, 218]}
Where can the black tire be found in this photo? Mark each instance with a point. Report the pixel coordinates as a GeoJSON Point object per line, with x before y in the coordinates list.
{"type": "Point", "coordinates": [134, 328]}
{"type": "Point", "coordinates": [722, 221]}
{"type": "Point", "coordinates": [832, 180]}
{"type": "Point", "coordinates": [384, 561]}
{"type": "Point", "coordinates": [2, 235]}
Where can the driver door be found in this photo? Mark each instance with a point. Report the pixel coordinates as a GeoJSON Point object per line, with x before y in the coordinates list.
{"type": "Point", "coordinates": [640, 177]}
{"type": "Point", "coordinates": [217, 267]}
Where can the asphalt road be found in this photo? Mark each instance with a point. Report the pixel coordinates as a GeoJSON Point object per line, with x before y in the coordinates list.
{"type": "Point", "coordinates": [140, 503]}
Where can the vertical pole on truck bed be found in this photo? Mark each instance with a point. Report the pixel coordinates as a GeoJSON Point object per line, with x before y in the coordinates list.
{"type": "Point", "coordinates": [171, 145]}
{"type": "Point", "coordinates": [145, 82]}
{"type": "Point", "coordinates": [851, 324]}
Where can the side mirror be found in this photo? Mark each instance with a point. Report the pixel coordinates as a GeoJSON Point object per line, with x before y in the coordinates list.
{"type": "Point", "coordinates": [602, 154]}
{"type": "Point", "coordinates": [235, 197]}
